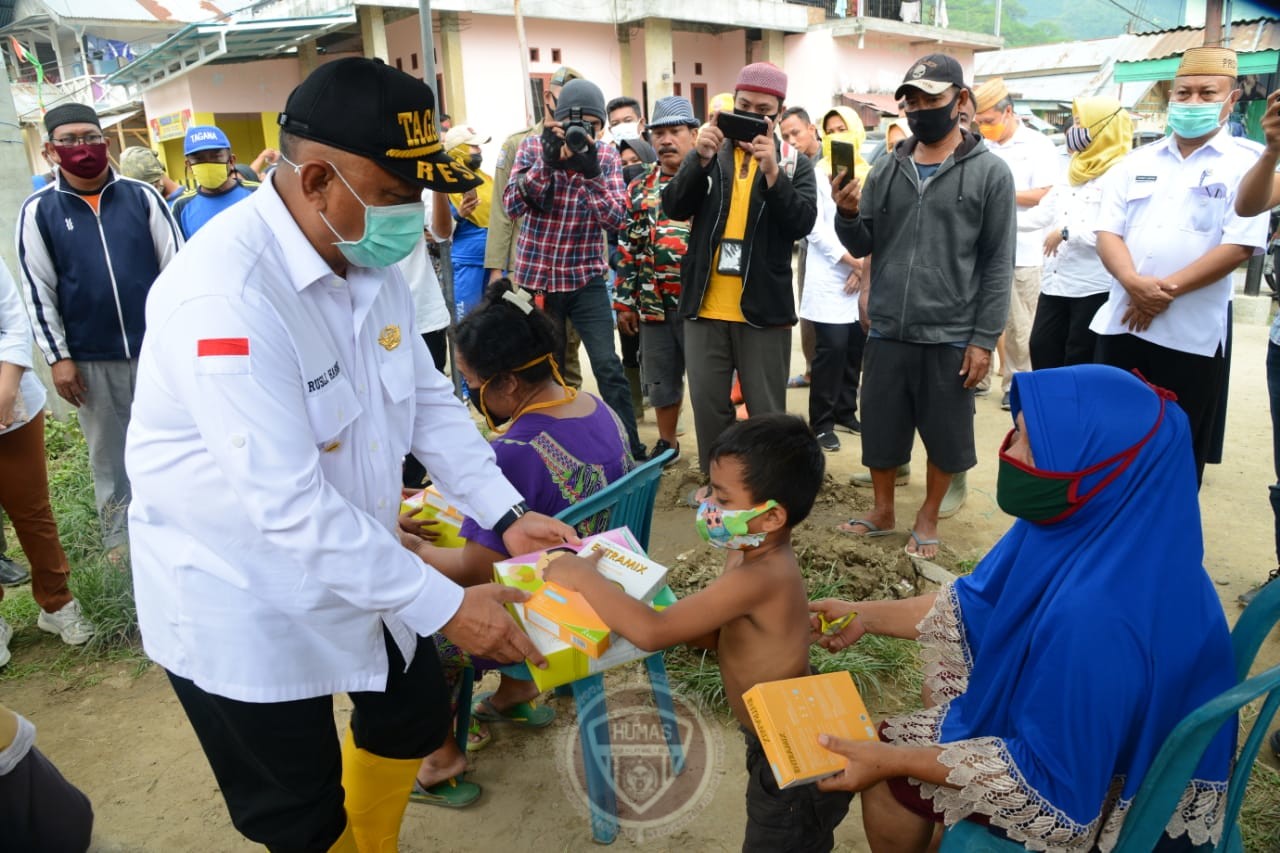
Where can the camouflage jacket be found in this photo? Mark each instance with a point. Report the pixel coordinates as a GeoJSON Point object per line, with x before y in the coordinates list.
{"type": "Point", "coordinates": [650, 248]}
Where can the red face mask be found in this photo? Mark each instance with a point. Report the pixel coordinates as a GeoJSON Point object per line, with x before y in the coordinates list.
{"type": "Point", "coordinates": [83, 161]}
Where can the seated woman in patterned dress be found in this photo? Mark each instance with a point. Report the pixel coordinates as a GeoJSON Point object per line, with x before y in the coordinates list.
{"type": "Point", "coordinates": [1054, 672]}
{"type": "Point", "coordinates": [556, 446]}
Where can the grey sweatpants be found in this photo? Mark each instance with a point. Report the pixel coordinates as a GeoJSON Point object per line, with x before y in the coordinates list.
{"type": "Point", "coordinates": [104, 419]}
{"type": "Point", "coordinates": [713, 350]}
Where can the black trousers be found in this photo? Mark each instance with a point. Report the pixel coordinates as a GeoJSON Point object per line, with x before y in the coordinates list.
{"type": "Point", "coordinates": [1196, 379]}
{"type": "Point", "coordinates": [279, 764]}
{"type": "Point", "coordinates": [41, 810]}
{"type": "Point", "coordinates": [1060, 335]}
{"type": "Point", "coordinates": [833, 377]}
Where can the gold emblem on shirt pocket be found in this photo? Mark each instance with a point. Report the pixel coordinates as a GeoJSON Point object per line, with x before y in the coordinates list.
{"type": "Point", "coordinates": [390, 337]}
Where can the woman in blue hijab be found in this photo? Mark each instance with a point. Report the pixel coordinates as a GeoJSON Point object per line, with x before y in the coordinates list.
{"type": "Point", "coordinates": [1056, 670]}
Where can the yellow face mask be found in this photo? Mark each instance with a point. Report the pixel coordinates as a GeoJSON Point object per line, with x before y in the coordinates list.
{"type": "Point", "coordinates": [992, 131]}
{"type": "Point", "coordinates": [210, 176]}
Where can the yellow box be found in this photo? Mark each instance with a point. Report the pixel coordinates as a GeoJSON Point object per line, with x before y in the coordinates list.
{"type": "Point", "coordinates": [567, 615]}
{"type": "Point", "coordinates": [789, 715]}
{"type": "Point", "coordinates": [565, 664]}
{"type": "Point", "coordinates": [429, 503]}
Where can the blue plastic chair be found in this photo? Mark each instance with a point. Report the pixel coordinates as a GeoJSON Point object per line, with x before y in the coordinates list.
{"type": "Point", "coordinates": [1182, 750]}
{"type": "Point", "coordinates": [627, 502]}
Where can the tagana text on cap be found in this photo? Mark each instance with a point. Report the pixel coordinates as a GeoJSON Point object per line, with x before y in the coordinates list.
{"type": "Point", "coordinates": [204, 137]}
{"type": "Point", "coordinates": [933, 75]}
{"type": "Point", "coordinates": [372, 110]}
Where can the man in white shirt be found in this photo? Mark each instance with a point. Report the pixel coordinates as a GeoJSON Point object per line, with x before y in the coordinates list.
{"type": "Point", "coordinates": [279, 389]}
{"type": "Point", "coordinates": [1169, 234]}
{"type": "Point", "coordinates": [1036, 165]}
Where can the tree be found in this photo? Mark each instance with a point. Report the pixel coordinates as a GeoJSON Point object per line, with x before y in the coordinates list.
{"type": "Point", "coordinates": [978, 16]}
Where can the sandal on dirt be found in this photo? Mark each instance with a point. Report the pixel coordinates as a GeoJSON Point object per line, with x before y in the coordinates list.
{"type": "Point", "coordinates": [920, 543]}
{"type": "Point", "coordinates": [475, 740]}
{"type": "Point", "coordinates": [529, 715]}
{"type": "Point", "coordinates": [452, 793]}
{"type": "Point", "coordinates": [872, 530]}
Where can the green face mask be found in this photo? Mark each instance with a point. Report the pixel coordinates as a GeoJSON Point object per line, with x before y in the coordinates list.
{"type": "Point", "coordinates": [1046, 497]}
{"type": "Point", "coordinates": [1025, 493]}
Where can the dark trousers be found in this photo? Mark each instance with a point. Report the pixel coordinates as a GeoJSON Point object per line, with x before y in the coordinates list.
{"type": "Point", "coordinates": [414, 475]}
{"type": "Point", "coordinates": [1196, 379]}
{"type": "Point", "coordinates": [713, 351]}
{"type": "Point", "coordinates": [801, 819]}
{"type": "Point", "coordinates": [279, 764]}
{"type": "Point", "coordinates": [1060, 335]}
{"type": "Point", "coordinates": [1273, 389]}
{"type": "Point", "coordinates": [591, 312]}
{"type": "Point", "coordinates": [41, 810]}
{"type": "Point", "coordinates": [833, 382]}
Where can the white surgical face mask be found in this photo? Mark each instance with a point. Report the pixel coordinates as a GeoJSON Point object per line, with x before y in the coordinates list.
{"type": "Point", "coordinates": [625, 130]}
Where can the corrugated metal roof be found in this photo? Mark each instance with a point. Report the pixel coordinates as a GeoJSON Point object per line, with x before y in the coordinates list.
{"type": "Point", "coordinates": [151, 11]}
{"type": "Point", "coordinates": [1246, 37]}
{"type": "Point", "coordinates": [1047, 57]}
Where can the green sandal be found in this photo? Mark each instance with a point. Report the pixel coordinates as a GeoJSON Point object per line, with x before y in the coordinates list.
{"type": "Point", "coordinates": [452, 793]}
{"type": "Point", "coordinates": [529, 715]}
{"type": "Point", "coordinates": [475, 740]}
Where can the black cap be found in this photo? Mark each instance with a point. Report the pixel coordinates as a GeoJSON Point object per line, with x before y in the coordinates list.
{"type": "Point", "coordinates": [70, 114]}
{"type": "Point", "coordinates": [933, 75]}
{"type": "Point", "coordinates": [372, 110]}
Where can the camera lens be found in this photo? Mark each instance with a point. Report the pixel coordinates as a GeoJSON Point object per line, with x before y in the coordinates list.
{"type": "Point", "coordinates": [577, 138]}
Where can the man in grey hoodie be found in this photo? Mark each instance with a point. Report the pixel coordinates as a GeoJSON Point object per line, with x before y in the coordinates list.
{"type": "Point", "coordinates": [940, 220]}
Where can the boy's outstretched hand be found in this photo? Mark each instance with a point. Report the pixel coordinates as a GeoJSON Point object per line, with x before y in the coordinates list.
{"type": "Point", "coordinates": [831, 610]}
{"type": "Point", "coordinates": [571, 571]}
{"type": "Point", "coordinates": [865, 764]}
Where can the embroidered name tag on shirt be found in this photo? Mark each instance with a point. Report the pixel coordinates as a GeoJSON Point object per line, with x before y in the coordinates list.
{"type": "Point", "coordinates": [314, 385]}
{"type": "Point", "coordinates": [1145, 179]}
{"type": "Point", "coordinates": [222, 356]}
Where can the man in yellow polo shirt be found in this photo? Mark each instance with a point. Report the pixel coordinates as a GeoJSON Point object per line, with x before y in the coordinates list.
{"type": "Point", "coordinates": [749, 202]}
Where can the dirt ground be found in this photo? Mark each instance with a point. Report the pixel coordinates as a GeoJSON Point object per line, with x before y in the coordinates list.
{"type": "Point", "coordinates": [125, 742]}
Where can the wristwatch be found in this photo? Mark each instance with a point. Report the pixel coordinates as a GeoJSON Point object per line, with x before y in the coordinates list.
{"type": "Point", "coordinates": [511, 517]}
{"type": "Point", "coordinates": [1064, 232]}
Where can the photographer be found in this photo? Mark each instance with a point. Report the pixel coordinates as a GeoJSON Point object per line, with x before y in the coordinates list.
{"type": "Point", "coordinates": [748, 211]}
{"type": "Point", "coordinates": [568, 187]}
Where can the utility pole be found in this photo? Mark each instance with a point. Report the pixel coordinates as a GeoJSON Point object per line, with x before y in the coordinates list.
{"type": "Point", "coordinates": [446, 260]}
{"type": "Point", "coordinates": [1213, 23]}
{"type": "Point", "coordinates": [999, 12]}
{"type": "Point", "coordinates": [523, 45]}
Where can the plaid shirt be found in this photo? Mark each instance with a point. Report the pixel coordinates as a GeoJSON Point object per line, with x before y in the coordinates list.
{"type": "Point", "coordinates": [650, 249]}
{"type": "Point", "coordinates": [561, 244]}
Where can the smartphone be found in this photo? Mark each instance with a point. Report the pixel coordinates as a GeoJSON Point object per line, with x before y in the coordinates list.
{"type": "Point", "coordinates": [841, 158]}
{"type": "Point", "coordinates": [741, 128]}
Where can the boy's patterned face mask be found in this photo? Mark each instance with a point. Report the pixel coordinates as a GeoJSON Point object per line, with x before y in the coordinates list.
{"type": "Point", "coordinates": [727, 528]}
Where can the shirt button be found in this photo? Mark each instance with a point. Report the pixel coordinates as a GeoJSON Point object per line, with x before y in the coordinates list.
{"type": "Point", "coordinates": [373, 445]}
{"type": "Point", "coordinates": [363, 389]}
{"type": "Point", "coordinates": [237, 441]}
{"type": "Point", "coordinates": [382, 503]}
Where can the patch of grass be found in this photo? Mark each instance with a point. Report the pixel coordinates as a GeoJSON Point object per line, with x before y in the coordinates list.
{"type": "Point", "coordinates": [1260, 812]}
{"type": "Point", "coordinates": [887, 671]}
{"type": "Point", "coordinates": [104, 589]}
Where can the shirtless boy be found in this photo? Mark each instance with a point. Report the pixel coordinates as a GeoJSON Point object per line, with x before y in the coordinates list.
{"type": "Point", "coordinates": [765, 474]}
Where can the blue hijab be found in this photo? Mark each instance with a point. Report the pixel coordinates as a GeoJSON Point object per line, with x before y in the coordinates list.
{"type": "Point", "coordinates": [1092, 637]}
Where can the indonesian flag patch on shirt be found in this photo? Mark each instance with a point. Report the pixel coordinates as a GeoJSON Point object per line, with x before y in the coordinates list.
{"type": "Point", "coordinates": [222, 355]}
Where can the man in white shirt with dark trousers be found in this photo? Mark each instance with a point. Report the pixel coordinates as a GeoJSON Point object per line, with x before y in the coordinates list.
{"type": "Point", "coordinates": [279, 389]}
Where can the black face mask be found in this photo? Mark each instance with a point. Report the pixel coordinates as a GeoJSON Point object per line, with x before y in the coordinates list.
{"type": "Point", "coordinates": [930, 126]}
{"type": "Point", "coordinates": [631, 171]}
{"type": "Point", "coordinates": [474, 161]}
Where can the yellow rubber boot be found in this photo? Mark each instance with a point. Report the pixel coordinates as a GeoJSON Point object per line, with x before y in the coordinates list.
{"type": "Point", "coordinates": [346, 842]}
{"type": "Point", "coordinates": [377, 791]}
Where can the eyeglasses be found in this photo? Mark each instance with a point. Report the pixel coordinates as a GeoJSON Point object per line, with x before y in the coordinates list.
{"type": "Point", "coordinates": [68, 141]}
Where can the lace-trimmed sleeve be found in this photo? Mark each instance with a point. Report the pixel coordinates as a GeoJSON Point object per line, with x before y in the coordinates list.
{"type": "Point", "coordinates": [943, 648]}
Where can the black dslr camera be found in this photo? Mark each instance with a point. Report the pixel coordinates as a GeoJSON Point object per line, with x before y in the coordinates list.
{"type": "Point", "coordinates": [578, 134]}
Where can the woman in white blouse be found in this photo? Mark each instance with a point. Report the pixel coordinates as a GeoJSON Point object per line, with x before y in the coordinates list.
{"type": "Point", "coordinates": [24, 479]}
{"type": "Point", "coordinates": [1074, 283]}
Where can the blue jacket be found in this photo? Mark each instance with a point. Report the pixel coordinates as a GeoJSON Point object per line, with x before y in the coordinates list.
{"type": "Point", "coordinates": [86, 273]}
